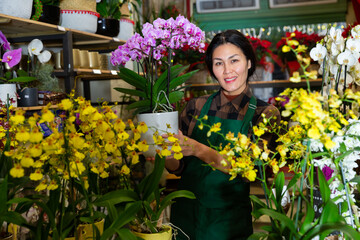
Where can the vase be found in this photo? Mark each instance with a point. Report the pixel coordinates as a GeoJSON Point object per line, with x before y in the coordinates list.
{"type": "Point", "coordinates": [50, 14]}
{"type": "Point", "coordinates": [28, 97]}
{"type": "Point", "coordinates": [17, 8]}
{"type": "Point", "coordinates": [158, 122]}
{"type": "Point", "coordinates": [8, 89]}
{"type": "Point", "coordinates": [166, 234]}
{"type": "Point", "coordinates": [108, 27]}
{"type": "Point", "coordinates": [126, 29]}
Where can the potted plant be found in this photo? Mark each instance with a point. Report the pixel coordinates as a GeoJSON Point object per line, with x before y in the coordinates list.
{"type": "Point", "coordinates": [8, 81]}
{"type": "Point", "coordinates": [108, 22]}
{"type": "Point", "coordinates": [157, 93]}
{"type": "Point", "coordinates": [47, 11]}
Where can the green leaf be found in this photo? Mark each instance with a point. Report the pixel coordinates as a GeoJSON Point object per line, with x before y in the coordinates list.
{"type": "Point", "coordinates": [168, 199]}
{"type": "Point", "coordinates": [22, 79]}
{"type": "Point", "coordinates": [181, 79]}
{"type": "Point", "coordinates": [283, 219]}
{"type": "Point", "coordinates": [123, 218]}
{"type": "Point", "coordinates": [126, 234]}
{"type": "Point", "coordinates": [131, 92]}
{"type": "Point", "coordinates": [308, 221]}
{"type": "Point", "coordinates": [3, 195]}
{"type": "Point", "coordinates": [293, 180]}
{"type": "Point", "coordinates": [140, 104]}
{"type": "Point", "coordinates": [329, 227]}
{"type": "Point", "coordinates": [115, 197]}
{"type": "Point", "coordinates": [356, 179]}
{"type": "Point", "coordinates": [257, 236]}
{"type": "Point", "coordinates": [133, 78]}
{"type": "Point", "coordinates": [175, 96]}
{"type": "Point", "coordinates": [279, 185]}
{"type": "Point", "coordinates": [13, 217]}
{"type": "Point", "coordinates": [154, 177]}
{"type": "Point", "coordinates": [324, 187]}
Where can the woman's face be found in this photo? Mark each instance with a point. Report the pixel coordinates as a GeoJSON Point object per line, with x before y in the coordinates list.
{"type": "Point", "coordinates": [230, 68]}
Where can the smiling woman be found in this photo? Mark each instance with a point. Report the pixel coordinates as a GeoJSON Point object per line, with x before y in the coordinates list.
{"type": "Point", "coordinates": [222, 208]}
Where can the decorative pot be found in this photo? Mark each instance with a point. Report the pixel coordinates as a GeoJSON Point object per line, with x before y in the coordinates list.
{"type": "Point", "coordinates": [108, 27]}
{"type": "Point", "coordinates": [8, 89]}
{"type": "Point", "coordinates": [28, 97]}
{"type": "Point", "coordinates": [87, 229]}
{"type": "Point", "coordinates": [166, 234]}
{"type": "Point", "coordinates": [50, 14]}
{"type": "Point", "coordinates": [79, 20]}
{"type": "Point", "coordinates": [17, 8]}
{"type": "Point", "coordinates": [126, 29]}
{"type": "Point", "coordinates": [158, 122]}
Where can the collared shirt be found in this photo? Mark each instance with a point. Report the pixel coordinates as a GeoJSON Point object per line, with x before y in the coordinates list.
{"type": "Point", "coordinates": [223, 108]}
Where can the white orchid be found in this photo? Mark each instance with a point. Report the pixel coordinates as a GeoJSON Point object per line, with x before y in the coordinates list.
{"type": "Point", "coordinates": [346, 58]}
{"type": "Point", "coordinates": [35, 47]}
{"type": "Point", "coordinates": [318, 53]}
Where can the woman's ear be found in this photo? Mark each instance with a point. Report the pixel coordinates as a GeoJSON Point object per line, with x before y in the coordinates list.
{"type": "Point", "coordinates": [249, 64]}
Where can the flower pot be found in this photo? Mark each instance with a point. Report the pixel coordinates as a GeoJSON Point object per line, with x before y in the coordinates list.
{"type": "Point", "coordinates": [79, 20]}
{"type": "Point", "coordinates": [17, 8]}
{"type": "Point", "coordinates": [158, 122]}
{"type": "Point", "coordinates": [87, 229]}
{"type": "Point", "coordinates": [28, 97]}
{"type": "Point", "coordinates": [8, 89]}
{"type": "Point", "coordinates": [50, 14]}
{"type": "Point", "coordinates": [108, 27]}
{"type": "Point", "coordinates": [166, 234]}
{"type": "Point", "coordinates": [126, 28]}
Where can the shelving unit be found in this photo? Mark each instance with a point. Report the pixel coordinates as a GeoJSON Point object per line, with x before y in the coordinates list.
{"type": "Point", "coordinates": [22, 31]}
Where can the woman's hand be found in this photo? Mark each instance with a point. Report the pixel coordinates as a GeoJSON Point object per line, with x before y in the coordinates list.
{"type": "Point", "coordinates": [188, 145]}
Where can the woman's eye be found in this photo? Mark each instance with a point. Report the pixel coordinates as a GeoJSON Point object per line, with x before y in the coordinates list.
{"type": "Point", "coordinates": [234, 60]}
{"type": "Point", "coordinates": [218, 63]}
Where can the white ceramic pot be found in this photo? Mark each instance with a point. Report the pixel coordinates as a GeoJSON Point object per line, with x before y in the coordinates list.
{"type": "Point", "coordinates": [17, 8]}
{"type": "Point", "coordinates": [126, 29]}
{"type": "Point", "coordinates": [10, 89]}
{"type": "Point", "coordinates": [158, 122]}
{"type": "Point", "coordinates": [79, 20]}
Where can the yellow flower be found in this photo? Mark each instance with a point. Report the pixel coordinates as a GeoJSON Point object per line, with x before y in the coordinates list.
{"type": "Point", "coordinates": [125, 170]}
{"type": "Point", "coordinates": [178, 155]}
{"type": "Point", "coordinates": [295, 77]}
{"type": "Point", "coordinates": [35, 150]}
{"type": "Point", "coordinates": [134, 157]}
{"type": "Point", "coordinates": [215, 127]}
{"type": "Point", "coordinates": [171, 137]}
{"type": "Point", "coordinates": [17, 171]}
{"type": "Point", "coordinates": [142, 127]}
{"type": "Point", "coordinates": [66, 104]}
{"type": "Point", "coordinates": [258, 132]}
{"type": "Point", "coordinates": [250, 174]}
{"type": "Point", "coordinates": [274, 165]}
{"type": "Point", "coordinates": [293, 43]}
{"type": "Point", "coordinates": [119, 125]}
{"type": "Point", "coordinates": [22, 135]}
{"type": "Point", "coordinates": [313, 133]}
{"type": "Point", "coordinates": [53, 185]}
{"type": "Point", "coordinates": [285, 49]}
{"type": "Point", "coordinates": [37, 175]}
{"type": "Point", "coordinates": [176, 147]}
{"type": "Point", "coordinates": [26, 161]}
{"type": "Point", "coordinates": [165, 151]}
{"type": "Point", "coordinates": [42, 186]}
{"type": "Point", "coordinates": [301, 48]}
{"type": "Point", "coordinates": [47, 116]}
{"type": "Point", "coordinates": [36, 136]}
{"type": "Point", "coordinates": [18, 118]}
{"type": "Point", "coordinates": [312, 74]}
{"type": "Point", "coordinates": [143, 146]}
{"type": "Point", "coordinates": [104, 174]}
{"type": "Point", "coordinates": [137, 134]}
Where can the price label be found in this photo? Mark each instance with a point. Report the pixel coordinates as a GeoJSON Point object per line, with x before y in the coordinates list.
{"type": "Point", "coordinates": [61, 28]}
{"type": "Point", "coordinates": [116, 39]}
{"type": "Point", "coordinates": [113, 72]}
{"type": "Point", "coordinates": [96, 71]}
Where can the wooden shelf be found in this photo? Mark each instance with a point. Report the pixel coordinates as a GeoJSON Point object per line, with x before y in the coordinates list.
{"type": "Point", "coordinates": [35, 108]}
{"type": "Point", "coordinates": [17, 28]}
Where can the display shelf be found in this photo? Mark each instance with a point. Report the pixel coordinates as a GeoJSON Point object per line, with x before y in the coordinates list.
{"type": "Point", "coordinates": [21, 30]}
{"type": "Point", "coordinates": [36, 108]}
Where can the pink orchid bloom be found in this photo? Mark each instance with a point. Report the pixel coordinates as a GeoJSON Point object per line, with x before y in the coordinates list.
{"type": "Point", "coordinates": [12, 57]}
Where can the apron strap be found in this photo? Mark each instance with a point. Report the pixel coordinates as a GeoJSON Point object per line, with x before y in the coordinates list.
{"type": "Point", "coordinates": [249, 115]}
{"type": "Point", "coordinates": [206, 107]}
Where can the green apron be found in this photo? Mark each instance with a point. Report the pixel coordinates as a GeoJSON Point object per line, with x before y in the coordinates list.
{"type": "Point", "coordinates": [222, 208]}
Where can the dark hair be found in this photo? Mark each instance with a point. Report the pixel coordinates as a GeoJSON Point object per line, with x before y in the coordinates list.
{"type": "Point", "coordinates": [238, 39]}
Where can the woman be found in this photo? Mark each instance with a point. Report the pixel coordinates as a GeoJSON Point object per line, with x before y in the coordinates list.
{"type": "Point", "coordinates": [222, 208]}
